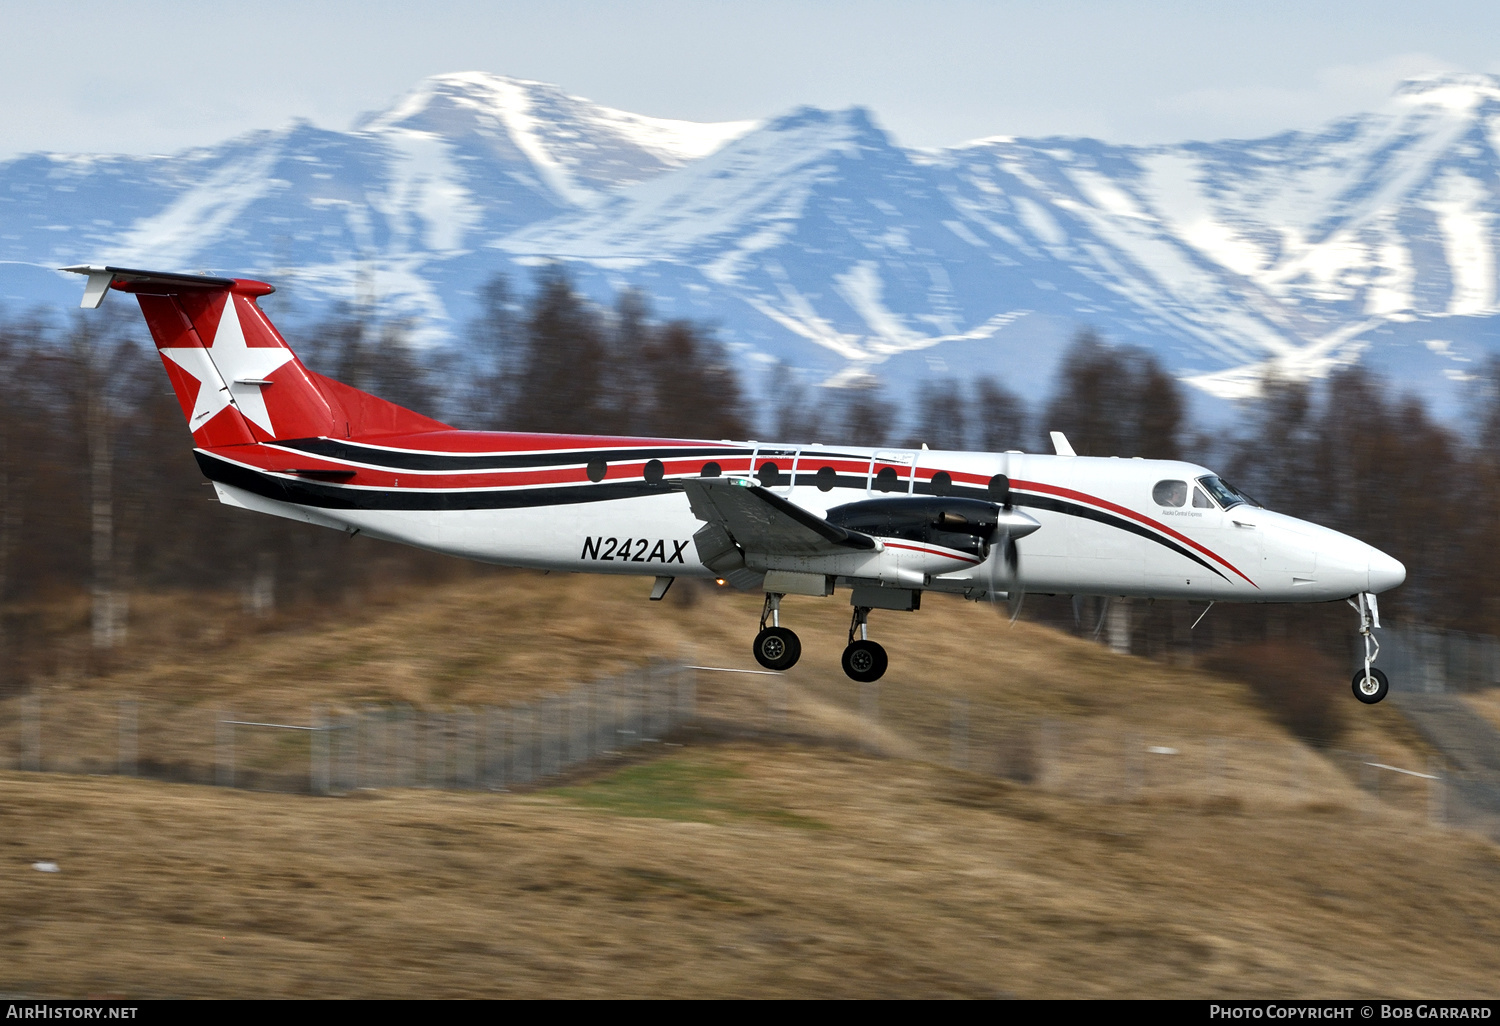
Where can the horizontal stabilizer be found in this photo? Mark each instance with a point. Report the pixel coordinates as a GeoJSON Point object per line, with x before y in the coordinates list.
{"type": "Point", "coordinates": [160, 283]}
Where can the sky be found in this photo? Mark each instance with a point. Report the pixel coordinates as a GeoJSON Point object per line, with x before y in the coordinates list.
{"type": "Point", "coordinates": [158, 77]}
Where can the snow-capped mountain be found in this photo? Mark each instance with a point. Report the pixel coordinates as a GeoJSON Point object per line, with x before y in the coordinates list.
{"type": "Point", "coordinates": [815, 239]}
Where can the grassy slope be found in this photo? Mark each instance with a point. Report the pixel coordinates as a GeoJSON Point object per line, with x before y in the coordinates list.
{"type": "Point", "coordinates": [732, 868]}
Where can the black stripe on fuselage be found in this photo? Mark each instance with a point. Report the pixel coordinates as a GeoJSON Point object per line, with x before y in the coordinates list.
{"type": "Point", "coordinates": [324, 496]}
{"type": "Point", "coordinates": [330, 496]}
{"type": "Point", "coordinates": [402, 459]}
{"type": "Point", "coordinates": [1053, 504]}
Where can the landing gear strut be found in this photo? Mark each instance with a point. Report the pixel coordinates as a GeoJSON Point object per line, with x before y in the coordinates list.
{"type": "Point", "coordinates": [864, 660]}
{"type": "Point", "coordinates": [775, 647]}
{"type": "Point", "coordinates": [1370, 685]}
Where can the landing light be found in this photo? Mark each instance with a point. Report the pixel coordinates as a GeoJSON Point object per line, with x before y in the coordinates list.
{"type": "Point", "coordinates": [720, 581]}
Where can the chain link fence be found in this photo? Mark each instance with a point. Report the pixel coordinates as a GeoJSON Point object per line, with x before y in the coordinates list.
{"type": "Point", "coordinates": [340, 749]}
{"type": "Point", "coordinates": [1426, 661]}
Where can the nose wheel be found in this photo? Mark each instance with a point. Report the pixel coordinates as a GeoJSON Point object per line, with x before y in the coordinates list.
{"type": "Point", "coordinates": [863, 660]}
{"type": "Point", "coordinates": [775, 647]}
{"type": "Point", "coordinates": [1370, 685]}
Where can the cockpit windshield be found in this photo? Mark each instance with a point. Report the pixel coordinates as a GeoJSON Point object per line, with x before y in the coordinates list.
{"type": "Point", "coordinates": [1225, 494]}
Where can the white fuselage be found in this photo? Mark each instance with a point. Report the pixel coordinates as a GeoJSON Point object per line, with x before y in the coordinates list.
{"type": "Point", "coordinates": [1102, 532]}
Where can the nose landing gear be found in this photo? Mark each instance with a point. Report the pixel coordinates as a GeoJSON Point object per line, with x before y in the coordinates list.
{"type": "Point", "coordinates": [1370, 685]}
{"type": "Point", "coordinates": [863, 660]}
{"type": "Point", "coordinates": [775, 647]}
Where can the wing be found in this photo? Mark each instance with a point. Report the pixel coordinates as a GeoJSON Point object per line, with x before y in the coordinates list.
{"type": "Point", "coordinates": [757, 520]}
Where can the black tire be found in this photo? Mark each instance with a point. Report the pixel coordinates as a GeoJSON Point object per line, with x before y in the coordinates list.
{"type": "Point", "coordinates": [1367, 696]}
{"type": "Point", "coordinates": [865, 661]}
{"type": "Point", "coordinates": [777, 648]}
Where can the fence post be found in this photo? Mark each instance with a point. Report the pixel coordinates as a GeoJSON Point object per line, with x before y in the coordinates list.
{"type": "Point", "coordinates": [554, 729]}
{"type": "Point", "coordinates": [578, 724]}
{"type": "Point", "coordinates": [599, 719]}
{"type": "Point", "coordinates": [687, 694]}
{"type": "Point", "coordinates": [521, 748]}
{"type": "Point", "coordinates": [224, 737]}
{"type": "Point", "coordinates": [494, 748]}
{"type": "Point", "coordinates": [31, 732]}
{"type": "Point", "coordinates": [649, 729]}
{"type": "Point", "coordinates": [463, 747]}
{"type": "Point", "coordinates": [406, 746]}
{"type": "Point", "coordinates": [127, 737]}
{"type": "Point", "coordinates": [317, 772]}
{"type": "Point", "coordinates": [435, 738]}
{"type": "Point", "coordinates": [630, 720]}
{"type": "Point", "coordinates": [372, 767]}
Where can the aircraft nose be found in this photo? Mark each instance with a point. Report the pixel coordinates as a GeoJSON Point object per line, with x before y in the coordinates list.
{"type": "Point", "coordinates": [1385, 571]}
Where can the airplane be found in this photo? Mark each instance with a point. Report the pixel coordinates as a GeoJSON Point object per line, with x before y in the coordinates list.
{"type": "Point", "coordinates": [888, 523]}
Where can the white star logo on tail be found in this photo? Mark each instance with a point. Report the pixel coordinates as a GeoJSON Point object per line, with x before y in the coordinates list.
{"type": "Point", "coordinates": [227, 372]}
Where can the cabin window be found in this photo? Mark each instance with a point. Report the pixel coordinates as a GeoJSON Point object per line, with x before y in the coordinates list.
{"type": "Point", "coordinates": [1170, 493]}
{"type": "Point", "coordinates": [654, 471]}
{"type": "Point", "coordinates": [885, 481]}
{"type": "Point", "coordinates": [942, 483]}
{"type": "Point", "coordinates": [769, 474]}
{"type": "Point", "coordinates": [826, 478]}
{"type": "Point", "coordinates": [595, 470]}
{"type": "Point", "coordinates": [712, 469]}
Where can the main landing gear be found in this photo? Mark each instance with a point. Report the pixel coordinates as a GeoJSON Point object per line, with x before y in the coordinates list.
{"type": "Point", "coordinates": [863, 660]}
{"type": "Point", "coordinates": [1370, 685]}
{"type": "Point", "coordinates": [776, 647]}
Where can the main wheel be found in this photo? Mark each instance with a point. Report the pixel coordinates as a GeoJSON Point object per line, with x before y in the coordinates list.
{"type": "Point", "coordinates": [865, 661]}
{"type": "Point", "coordinates": [1372, 689]}
{"type": "Point", "coordinates": [777, 648]}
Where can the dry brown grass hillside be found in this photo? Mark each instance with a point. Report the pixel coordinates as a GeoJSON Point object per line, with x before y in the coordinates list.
{"type": "Point", "coordinates": [805, 852]}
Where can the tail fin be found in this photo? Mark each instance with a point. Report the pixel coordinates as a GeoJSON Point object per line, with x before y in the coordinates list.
{"type": "Point", "coordinates": [235, 377]}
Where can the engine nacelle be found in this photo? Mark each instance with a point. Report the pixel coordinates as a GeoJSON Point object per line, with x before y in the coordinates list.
{"type": "Point", "coordinates": [961, 525]}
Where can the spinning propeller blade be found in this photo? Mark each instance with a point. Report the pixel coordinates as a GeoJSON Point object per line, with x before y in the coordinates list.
{"type": "Point", "coordinates": [1009, 554]}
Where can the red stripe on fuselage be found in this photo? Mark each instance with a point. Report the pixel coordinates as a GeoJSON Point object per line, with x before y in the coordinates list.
{"type": "Point", "coordinates": [277, 460]}
{"type": "Point", "coordinates": [1125, 511]}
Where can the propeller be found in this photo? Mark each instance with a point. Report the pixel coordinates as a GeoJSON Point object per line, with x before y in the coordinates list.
{"type": "Point", "coordinates": [1012, 526]}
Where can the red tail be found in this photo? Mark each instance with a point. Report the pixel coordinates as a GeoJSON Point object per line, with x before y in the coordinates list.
{"type": "Point", "coordinates": [236, 378]}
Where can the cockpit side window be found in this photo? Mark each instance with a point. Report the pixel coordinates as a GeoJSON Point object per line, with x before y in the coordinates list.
{"type": "Point", "coordinates": [1224, 493]}
{"type": "Point", "coordinates": [1201, 501]}
{"type": "Point", "coordinates": [1170, 493]}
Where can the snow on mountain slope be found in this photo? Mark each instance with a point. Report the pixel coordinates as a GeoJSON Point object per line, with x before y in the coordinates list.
{"type": "Point", "coordinates": [814, 239]}
{"type": "Point", "coordinates": [757, 184]}
{"type": "Point", "coordinates": [578, 148]}
{"type": "Point", "coordinates": [814, 228]}
{"type": "Point", "coordinates": [1282, 255]}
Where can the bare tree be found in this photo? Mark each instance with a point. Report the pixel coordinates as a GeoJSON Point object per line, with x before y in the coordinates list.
{"type": "Point", "coordinates": [1000, 418]}
{"type": "Point", "coordinates": [942, 415]}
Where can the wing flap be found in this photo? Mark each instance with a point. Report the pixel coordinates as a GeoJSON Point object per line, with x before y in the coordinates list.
{"type": "Point", "coordinates": [759, 520]}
